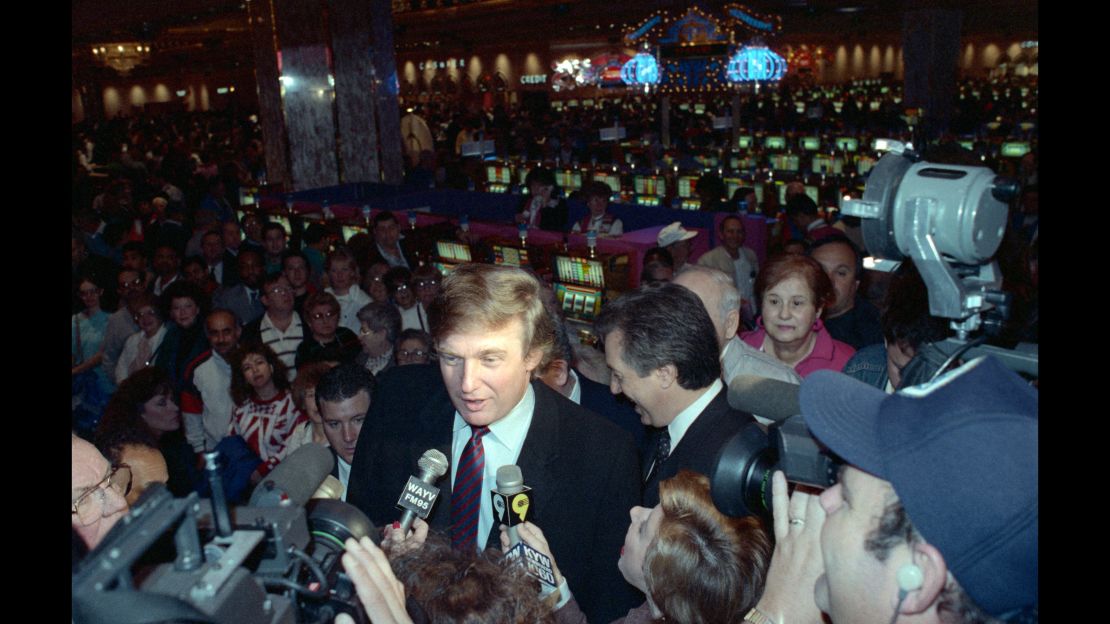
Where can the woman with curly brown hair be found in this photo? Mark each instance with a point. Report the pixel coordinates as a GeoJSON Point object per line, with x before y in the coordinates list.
{"type": "Point", "coordinates": [265, 414]}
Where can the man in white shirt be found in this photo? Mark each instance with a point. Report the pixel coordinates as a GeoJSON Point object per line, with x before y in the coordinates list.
{"type": "Point", "coordinates": [206, 398]}
{"type": "Point", "coordinates": [735, 260]}
{"type": "Point", "coordinates": [343, 397]}
{"type": "Point", "coordinates": [342, 270]}
{"type": "Point", "coordinates": [662, 353]}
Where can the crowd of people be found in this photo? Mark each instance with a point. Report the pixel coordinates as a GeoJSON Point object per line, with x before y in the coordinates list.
{"type": "Point", "coordinates": [194, 330]}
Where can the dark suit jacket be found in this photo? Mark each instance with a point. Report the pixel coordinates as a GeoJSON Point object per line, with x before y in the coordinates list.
{"type": "Point", "coordinates": [235, 299]}
{"type": "Point", "coordinates": [582, 470]}
{"type": "Point", "coordinates": [552, 218]}
{"type": "Point", "coordinates": [697, 450]}
{"type": "Point", "coordinates": [406, 251]}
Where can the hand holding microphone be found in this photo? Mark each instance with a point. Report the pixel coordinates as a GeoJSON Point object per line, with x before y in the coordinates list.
{"type": "Point", "coordinates": [531, 535]}
{"type": "Point", "coordinates": [420, 494]}
{"type": "Point", "coordinates": [396, 542]}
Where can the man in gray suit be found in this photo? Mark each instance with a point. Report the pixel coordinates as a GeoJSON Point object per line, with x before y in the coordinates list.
{"type": "Point", "coordinates": [244, 298]}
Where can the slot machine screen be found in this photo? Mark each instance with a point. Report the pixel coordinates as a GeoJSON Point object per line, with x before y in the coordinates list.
{"type": "Point", "coordinates": [707, 161]}
{"type": "Point", "coordinates": [811, 144]}
{"type": "Point", "coordinates": [684, 106]}
{"type": "Point", "coordinates": [582, 271]}
{"type": "Point", "coordinates": [687, 186]}
{"type": "Point", "coordinates": [246, 195]}
{"type": "Point", "coordinates": [588, 102]}
{"type": "Point", "coordinates": [351, 230]}
{"type": "Point", "coordinates": [510, 256]}
{"type": "Point", "coordinates": [444, 268]}
{"type": "Point", "coordinates": [759, 194]}
{"type": "Point", "coordinates": [499, 173]}
{"type": "Point", "coordinates": [875, 105]}
{"type": "Point", "coordinates": [450, 250]}
{"type": "Point", "coordinates": [284, 221]}
{"type": "Point", "coordinates": [241, 214]}
{"type": "Point", "coordinates": [648, 200]}
{"type": "Point", "coordinates": [847, 144]}
{"type": "Point", "coordinates": [557, 105]}
{"type": "Point", "coordinates": [650, 185]}
{"type": "Point", "coordinates": [699, 109]}
{"type": "Point", "coordinates": [775, 142]}
{"type": "Point", "coordinates": [744, 141]}
{"type": "Point", "coordinates": [968, 145]}
{"type": "Point", "coordinates": [522, 175]}
{"type": "Point", "coordinates": [784, 162]}
{"type": "Point", "coordinates": [780, 188]}
{"type": "Point", "coordinates": [813, 194]}
{"type": "Point", "coordinates": [569, 179]}
{"type": "Point", "coordinates": [828, 164]}
{"type": "Point", "coordinates": [1015, 149]}
{"type": "Point", "coordinates": [611, 179]}
{"type": "Point", "coordinates": [577, 302]}
{"type": "Point", "coordinates": [572, 103]}
{"type": "Point", "coordinates": [691, 204]}
{"type": "Point", "coordinates": [864, 165]}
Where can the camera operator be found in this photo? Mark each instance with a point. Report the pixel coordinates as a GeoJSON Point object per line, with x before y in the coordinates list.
{"type": "Point", "coordinates": [934, 516]}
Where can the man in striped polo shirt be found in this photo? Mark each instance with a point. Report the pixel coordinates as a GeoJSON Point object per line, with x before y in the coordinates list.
{"type": "Point", "coordinates": [280, 327]}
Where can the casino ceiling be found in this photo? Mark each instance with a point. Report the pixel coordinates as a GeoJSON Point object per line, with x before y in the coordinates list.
{"type": "Point", "coordinates": [212, 35]}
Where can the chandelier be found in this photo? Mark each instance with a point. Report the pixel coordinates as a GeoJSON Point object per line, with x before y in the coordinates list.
{"type": "Point", "coordinates": [122, 57]}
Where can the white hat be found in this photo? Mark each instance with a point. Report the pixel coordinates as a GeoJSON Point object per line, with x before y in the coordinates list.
{"type": "Point", "coordinates": [674, 233]}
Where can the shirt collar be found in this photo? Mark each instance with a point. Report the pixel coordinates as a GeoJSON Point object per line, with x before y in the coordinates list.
{"type": "Point", "coordinates": [686, 417]}
{"type": "Point", "coordinates": [511, 430]}
{"type": "Point", "coordinates": [576, 391]}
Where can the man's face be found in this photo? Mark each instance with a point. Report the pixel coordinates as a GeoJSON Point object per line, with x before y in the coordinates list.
{"type": "Point", "coordinates": [404, 296]}
{"type": "Point", "coordinates": [128, 282]}
{"type": "Point", "coordinates": [278, 297]}
{"type": "Point", "coordinates": [223, 333]}
{"type": "Point", "coordinates": [597, 205]}
{"type": "Point", "coordinates": [645, 392]}
{"type": "Point", "coordinates": [323, 321]}
{"type": "Point", "coordinates": [856, 586]}
{"type": "Point", "coordinates": [107, 506]}
{"type": "Point", "coordinates": [343, 422]}
{"type": "Point", "coordinates": [250, 269]}
{"type": "Point", "coordinates": [295, 271]}
{"type": "Point", "coordinates": [486, 371]}
{"type": "Point", "coordinates": [840, 265]}
{"type": "Point", "coordinates": [374, 342]}
{"type": "Point", "coordinates": [387, 233]}
{"type": "Point", "coordinates": [195, 273]}
{"type": "Point", "coordinates": [413, 351]}
{"type": "Point", "coordinates": [134, 260]}
{"type": "Point", "coordinates": [166, 262]}
{"type": "Point", "coordinates": [232, 236]}
{"type": "Point", "coordinates": [212, 247]}
{"type": "Point", "coordinates": [679, 251]}
{"type": "Point", "coordinates": [426, 290]}
{"type": "Point", "coordinates": [274, 241]}
{"type": "Point", "coordinates": [341, 275]}
{"type": "Point", "coordinates": [732, 234]}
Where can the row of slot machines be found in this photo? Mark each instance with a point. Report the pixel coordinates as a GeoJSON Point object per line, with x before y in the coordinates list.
{"type": "Point", "coordinates": [581, 284]}
{"type": "Point", "coordinates": [824, 182]}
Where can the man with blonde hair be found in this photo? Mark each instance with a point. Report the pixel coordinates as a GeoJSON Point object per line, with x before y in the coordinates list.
{"type": "Point", "coordinates": [483, 411]}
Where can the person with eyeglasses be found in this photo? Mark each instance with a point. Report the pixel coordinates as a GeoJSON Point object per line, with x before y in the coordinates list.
{"type": "Point", "coordinates": [99, 492]}
{"type": "Point", "coordinates": [280, 327]}
{"type": "Point", "coordinates": [121, 323]}
{"type": "Point", "coordinates": [326, 340]}
{"type": "Point", "coordinates": [141, 347]}
{"type": "Point", "coordinates": [413, 347]}
{"type": "Point", "coordinates": [380, 323]}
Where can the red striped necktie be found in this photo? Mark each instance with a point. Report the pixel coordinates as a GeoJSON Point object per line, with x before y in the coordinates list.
{"type": "Point", "coordinates": [466, 496]}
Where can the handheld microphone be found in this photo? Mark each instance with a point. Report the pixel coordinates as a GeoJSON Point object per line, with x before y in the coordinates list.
{"type": "Point", "coordinates": [770, 398]}
{"type": "Point", "coordinates": [512, 500]}
{"type": "Point", "coordinates": [420, 494]}
{"type": "Point", "coordinates": [295, 479]}
{"type": "Point", "coordinates": [512, 505]}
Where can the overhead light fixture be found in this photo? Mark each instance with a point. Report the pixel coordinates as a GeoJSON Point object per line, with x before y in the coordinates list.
{"type": "Point", "coordinates": [121, 56]}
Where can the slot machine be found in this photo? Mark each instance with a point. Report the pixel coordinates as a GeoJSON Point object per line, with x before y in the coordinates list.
{"type": "Point", "coordinates": [649, 190]}
{"type": "Point", "coordinates": [580, 291]}
{"type": "Point", "coordinates": [499, 177]}
{"type": "Point", "coordinates": [450, 255]}
{"type": "Point", "coordinates": [687, 193]}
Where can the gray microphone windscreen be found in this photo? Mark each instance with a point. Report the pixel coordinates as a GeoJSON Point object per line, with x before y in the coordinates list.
{"type": "Point", "coordinates": [510, 480]}
{"type": "Point", "coordinates": [296, 478]}
{"type": "Point", "coordinates": [433, 462]}
{"type": "Point", "coordinates": [769, 398]}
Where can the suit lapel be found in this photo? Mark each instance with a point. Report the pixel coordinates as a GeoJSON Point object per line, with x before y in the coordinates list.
{"type": "Point", "coordinates": [538, 455]}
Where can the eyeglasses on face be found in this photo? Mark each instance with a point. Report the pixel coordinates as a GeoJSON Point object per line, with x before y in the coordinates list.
{"type": "Point", "coordinates": [323, 315]}
{"type": "Point", "coordinates": [118, 479]}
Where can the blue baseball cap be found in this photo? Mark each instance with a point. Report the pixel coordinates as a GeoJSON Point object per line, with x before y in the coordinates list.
{"type": "Point", "coordinates": [961, 454]}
